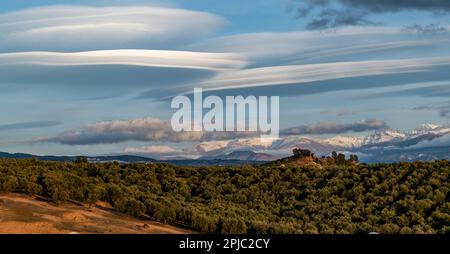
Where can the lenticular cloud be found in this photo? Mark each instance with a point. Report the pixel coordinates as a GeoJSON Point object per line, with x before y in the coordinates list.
{"type": "Point", "coordinates": [76, 28]}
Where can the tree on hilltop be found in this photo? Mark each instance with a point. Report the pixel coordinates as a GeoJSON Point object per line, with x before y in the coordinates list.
{"type": "Point", "coordinates": [302, 153]}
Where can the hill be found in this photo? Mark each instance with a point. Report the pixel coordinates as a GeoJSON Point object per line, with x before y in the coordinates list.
{"type": "Point", "coordinates": [340, 196]}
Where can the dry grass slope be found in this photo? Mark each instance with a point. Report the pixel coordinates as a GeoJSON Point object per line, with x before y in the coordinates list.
{"type": "Point", "coordinates": [34, 215]}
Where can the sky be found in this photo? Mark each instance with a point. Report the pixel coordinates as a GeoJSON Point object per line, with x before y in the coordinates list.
{"type": "Point", "coordinates": [97, 77]}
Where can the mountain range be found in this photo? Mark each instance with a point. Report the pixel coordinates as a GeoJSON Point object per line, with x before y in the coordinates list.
{"type": "Point", "coordinates": [427, 143]}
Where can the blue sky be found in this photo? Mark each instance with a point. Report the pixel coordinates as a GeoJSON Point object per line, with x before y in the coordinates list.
{"type": "Point", "coordinates": [97, 71]}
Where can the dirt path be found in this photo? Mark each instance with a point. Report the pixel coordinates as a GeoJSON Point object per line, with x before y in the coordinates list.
{"type": "Point", "coordinates": [27, 214]}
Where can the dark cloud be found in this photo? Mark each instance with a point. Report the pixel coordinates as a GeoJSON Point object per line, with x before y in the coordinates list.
{"type": "Point", "coordinates": [444, 112]}
{"type": "Point", "coordinates": [398, 5]}
{"type": "Point", "coordinates": [431, 29]}
{"type": "Point", "coordinates": [154, 129]}
{"type": "Point", "coordinates": [335, 128]}
{"type": "Point", "coordinates": [144, 129]}
{"type": "Point", "coordinates": [28, 125]}
{"type": "Point", "coordinates": [330, 18]}
{"type": "Point", "coordinates": [335, 13]}
{"type": "Point", "coordinates": [443, 108]}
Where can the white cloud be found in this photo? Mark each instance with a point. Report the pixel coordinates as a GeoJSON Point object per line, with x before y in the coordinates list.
{"type": "Point", "coordinates": [443, 141]}
{"type": "Point", "coordinates": [344, 44]}
{"type": "Point", "coordinates": [329, 127]}
{"type": "Point", "coordinates": [227, 146]}
{"type": "Point", "coordinates": [150, 150]}
{"type": "Point", "coordinates": [67, 28]}
{"type": "Point", "coordinates": [109, 48]}
{"type": "Point", "coordinates": [196, 69]}
{"type": "Point", "coordinates": [94, 73]}
{"type": "Point", "coordinates": [144, 58]}
{"type": "Point", "coordinates": [211, 146]}
{"type": "Point", "coordinates": [296, 74]}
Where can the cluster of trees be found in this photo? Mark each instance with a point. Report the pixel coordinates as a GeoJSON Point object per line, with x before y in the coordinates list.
{"type": "Point", "coordinates": [334, 158]}
{"type": "Point", "coordinates": [347, 198]}
{"type": "Point", "coordinates": [301, 153]}
{"type": "Point", "coordinates": [339, 158]}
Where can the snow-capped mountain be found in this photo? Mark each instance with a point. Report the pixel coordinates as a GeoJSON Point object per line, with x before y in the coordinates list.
{"type": "Point", "coordinates": [430, 128]}
{"type": "Point", "coordinates": [383, 137]}
{"type": "Point", "coordinates": [423, 143]}
{"type": "Point", "coordinates": [408, 138]}
{"type": "Point", "coordinates": [377, 143]}
{"type": "Point", "coordinates": [427, 127]}
{"type": "Point", "coordinates": [286, 144]}
{"type": "Point", "coordinates": [345, 141]}
{"type": "Point", "coordinates": [427, 142]}
{"type": "Point", "coordinates": [378, 137]}
{"type": "Point", "coordinates": [389, 136]}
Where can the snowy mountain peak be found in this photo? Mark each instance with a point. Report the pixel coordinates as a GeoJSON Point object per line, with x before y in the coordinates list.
{"type": "Point", "coordinates": [375, 138]}
{"type": "Point", "coordinates": [383, 136]}
{"type": "Point", "coordinates": [377, 142]}
{"type": "Point", "coordinates": [345, 141]}
{"type": "Point", "coordinates": [428, 126]}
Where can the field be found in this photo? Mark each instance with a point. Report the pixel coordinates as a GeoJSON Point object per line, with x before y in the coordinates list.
{"type": "Point", "coordinates": [31, 214]}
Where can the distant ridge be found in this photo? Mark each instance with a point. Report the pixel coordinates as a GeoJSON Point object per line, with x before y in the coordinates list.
{"type": "Point", "coordinates": [243, 156]}
{"type": "Point", "coordinates": [94, 159]}
{"type": "Point", "coordinates": [135, 159]}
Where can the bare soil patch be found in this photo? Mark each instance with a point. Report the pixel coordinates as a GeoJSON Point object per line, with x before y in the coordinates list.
{"type": "Point", "coordinates": [20, 214]}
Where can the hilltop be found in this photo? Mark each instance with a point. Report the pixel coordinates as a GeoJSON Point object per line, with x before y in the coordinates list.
{"type": "Point", "coordinates": [303, 158]}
